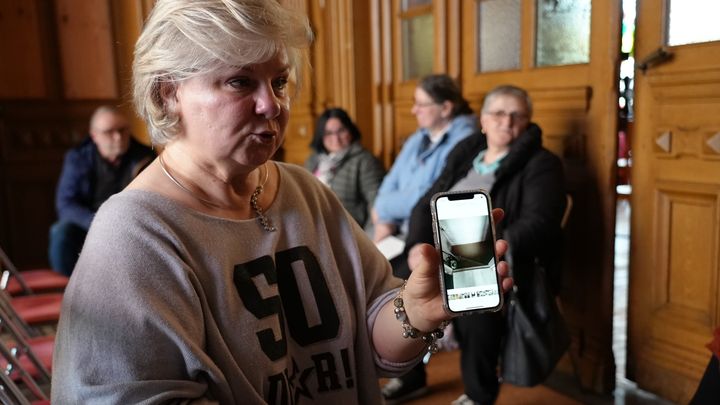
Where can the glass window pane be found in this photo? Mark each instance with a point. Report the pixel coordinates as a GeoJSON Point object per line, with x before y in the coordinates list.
{"type": "Point", "coordinates": [563, 32]}
{"type": "Point", "coordinates": [693, 21]}
{"type": "Point", "coordinates": [498, 35]}
{"type": "Point", "coordinates": [418, 46]}
{"type": "Point", "coordinates": [408, 4]}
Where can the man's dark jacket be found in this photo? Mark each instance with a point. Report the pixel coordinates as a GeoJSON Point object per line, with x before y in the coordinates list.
{"type": "Point", "coordinates": [75, 195]}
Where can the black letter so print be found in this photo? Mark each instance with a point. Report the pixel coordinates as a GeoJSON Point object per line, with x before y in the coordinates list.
{"type": "Point", "coordinates": [291, 307]}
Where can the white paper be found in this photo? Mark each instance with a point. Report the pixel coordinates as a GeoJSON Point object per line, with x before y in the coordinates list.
{"type": "Point", "coordinates": [391, 247]}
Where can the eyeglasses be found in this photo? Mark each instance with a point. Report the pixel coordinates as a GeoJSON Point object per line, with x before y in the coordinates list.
{"type": "Point", "coordinates": [501, 115]}
{"type": "Point", "coordinates": [340, 132]}
{"type": "Point", "coordinates": [424, 104]}
{"type": "Point", "coordinates": [124, 130]}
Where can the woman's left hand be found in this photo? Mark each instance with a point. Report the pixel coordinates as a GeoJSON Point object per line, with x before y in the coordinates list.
{"type": "Point", "coordinates": [422, 297]}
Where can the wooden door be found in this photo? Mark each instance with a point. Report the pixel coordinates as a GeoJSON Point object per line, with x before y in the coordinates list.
{"type": "Point", "coordinates": [575, 103]}
{"type": "Point", "coordinates": [675, 228]}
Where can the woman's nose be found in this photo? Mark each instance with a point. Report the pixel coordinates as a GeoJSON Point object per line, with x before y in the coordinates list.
{"type": "Point", "coordinates": [267, 103]}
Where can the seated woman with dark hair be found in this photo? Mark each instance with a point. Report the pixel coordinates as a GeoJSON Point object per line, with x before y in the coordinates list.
{"type": "Point", "coordinates": [343, 164]}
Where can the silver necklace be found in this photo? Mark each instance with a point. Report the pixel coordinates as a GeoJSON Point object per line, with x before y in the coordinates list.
{"type": "Point", "coordinates": [264, 221]}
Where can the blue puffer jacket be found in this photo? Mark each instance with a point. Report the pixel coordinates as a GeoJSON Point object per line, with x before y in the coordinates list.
{"type": "Point", "coordinates": [414, 171]}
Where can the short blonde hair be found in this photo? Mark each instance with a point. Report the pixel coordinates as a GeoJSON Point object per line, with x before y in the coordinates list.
{"type": "Point", "coordinates": [186, 38]}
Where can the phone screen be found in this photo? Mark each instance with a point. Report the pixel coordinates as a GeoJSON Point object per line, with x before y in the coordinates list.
{"type": "Point", "coordinates": [464, 235]}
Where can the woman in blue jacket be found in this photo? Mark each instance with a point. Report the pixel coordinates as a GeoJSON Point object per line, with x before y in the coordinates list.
{"type": "Point", "coordinates": [444, 118]}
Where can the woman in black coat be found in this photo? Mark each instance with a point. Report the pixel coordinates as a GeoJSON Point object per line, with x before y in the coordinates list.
{"type": "Point", "coordinates": [524, 179]}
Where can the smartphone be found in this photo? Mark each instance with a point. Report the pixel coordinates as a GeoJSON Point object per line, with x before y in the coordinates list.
{"type": "Point", "coordinates": [465, 238]}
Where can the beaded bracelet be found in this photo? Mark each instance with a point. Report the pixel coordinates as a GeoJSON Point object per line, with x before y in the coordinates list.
{"type": "Point", "coordinates": [429, 338]}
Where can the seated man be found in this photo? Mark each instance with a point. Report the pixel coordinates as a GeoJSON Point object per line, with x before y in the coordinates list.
{"type": "Point", "coordinates": [102, 165]}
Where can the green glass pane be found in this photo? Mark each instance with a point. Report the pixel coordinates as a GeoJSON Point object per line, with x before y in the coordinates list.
{"type": "Point", "coordinates": [693, 21]}
{"type": "Point", "coordinates": [563, 32]}
{"type": "Point", "coordinates": [498, 35]}
{"type": "Point", "coordinates": [418, 46]}
{"type": "Point", "coordinates": [408, 4]}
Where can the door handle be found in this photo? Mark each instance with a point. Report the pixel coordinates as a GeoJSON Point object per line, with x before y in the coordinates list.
{"type": "Point", "coordinates": [657, 57]}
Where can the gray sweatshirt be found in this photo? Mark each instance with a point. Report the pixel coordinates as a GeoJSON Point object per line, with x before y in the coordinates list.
{"type": "Point", "coordinates": [169, 305]}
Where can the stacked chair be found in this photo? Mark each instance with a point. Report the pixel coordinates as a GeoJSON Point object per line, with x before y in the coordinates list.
{"type": "Point", "coordinates": [29, 282]}
{"type": "Point", "coordinates": [30, 304]}
{"type": "Point", "coordinates": [26, 362]}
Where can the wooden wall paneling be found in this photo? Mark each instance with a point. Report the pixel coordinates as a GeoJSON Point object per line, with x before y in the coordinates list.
{"type": "Point", "coordinates": [452, 41]}
{"type": "Point", "coordinates": [86, 49]}
{"type": "Point", "coordinates": [128, 18]}
{"type": "Point", "coordinates": [298, 135]}
{"type": "Point", "coordinates": [344, 62]}
{"type": "Point", "coordinates": [440, 15]}
{"type": "Point", "coordinates": [382, 39]}
{"type": "Point", "coordinates": [336, 55]}
{"type": "Point", "coordinates": [33, 138]}
{"type": "Point", "coordinates": [405, 122]}
{"type": "Point", "coordinates": [299, 132]}
{"type": "Point", "coordinates": [31, 208]}
{"type": "Point", "coordinates": [365, 71]}
{"type": "Point", "coordinates": [319, 81]}
{"type": "Point", "coordinates": [343, 54]}
{"type": "Point", "coordinates": [26, 48]}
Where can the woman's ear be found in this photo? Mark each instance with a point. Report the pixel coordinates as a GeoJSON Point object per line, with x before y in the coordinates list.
{"type": "Point", "coordinates": [447, 109]}
{"type": "Point", "coordinates": [168, 94]}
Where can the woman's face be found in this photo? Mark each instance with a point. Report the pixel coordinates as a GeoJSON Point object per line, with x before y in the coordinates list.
{"type": "Point", "coordinates": [503, 120]}
{"type": "Point", "coordinates": [234, 116]}
{"type": "Point", "coordinates": [336, 137]}
{"type": "Point", "coordinates": [429, 114]}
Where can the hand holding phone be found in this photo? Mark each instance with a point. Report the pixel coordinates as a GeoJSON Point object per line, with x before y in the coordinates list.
{"type": "Point", "coordinates": [465, 239]}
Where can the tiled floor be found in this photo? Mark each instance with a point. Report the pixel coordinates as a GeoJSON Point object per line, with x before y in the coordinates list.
{"type": "Point", "coordinates": [444, 374]}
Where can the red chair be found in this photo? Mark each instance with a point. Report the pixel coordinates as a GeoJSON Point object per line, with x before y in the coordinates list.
{"type": "Point", "coordinates": [28, 282]}
{"type": "Point", "coordinates": [37, 309]}
{"type": "Point", "coordinates": [24, 361]}
{"type": "Point", "coordinates": [42, 347]}
{"type": "Point", "coordinates": [13, 376]}
{"type": "Point", "coordinates": [32, 313]}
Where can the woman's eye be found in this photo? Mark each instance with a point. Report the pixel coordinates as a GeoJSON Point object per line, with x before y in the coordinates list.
{"type": "Point", "coordinates": [240, 82]}
{"type": "Point", "coordinates": [280, 84]}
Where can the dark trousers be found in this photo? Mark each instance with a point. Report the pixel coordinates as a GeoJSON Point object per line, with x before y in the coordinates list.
{"type": "Point", "coordinates": [480, 338]}
{"type": "Point", "coordinates": [66, 241]}
{"type": "Point", "coordinates": [708, 391]}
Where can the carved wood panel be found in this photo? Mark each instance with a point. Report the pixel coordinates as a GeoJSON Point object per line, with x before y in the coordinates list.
{"type": "Point", "coordinates": [684, 285]}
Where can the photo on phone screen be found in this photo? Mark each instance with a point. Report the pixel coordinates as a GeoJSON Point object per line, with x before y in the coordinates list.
{"type": "Point", "coordinates": [464, 236]}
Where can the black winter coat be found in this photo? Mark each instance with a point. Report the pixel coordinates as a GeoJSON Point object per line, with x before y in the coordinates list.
{"type": "Point", "coordinates": [529, 186]}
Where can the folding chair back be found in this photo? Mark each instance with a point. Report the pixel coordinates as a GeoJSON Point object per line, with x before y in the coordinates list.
{"type": "Point", "coordinates": [32, 313]}
{"type": "Point", "coordinates": [15, 373]}
{"type": "Point", "coordinates": [29, 281]}
{"type": "Point", "coordinates": [33, 353]}
{"type": "Point", "coordinates": [10, 393]}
